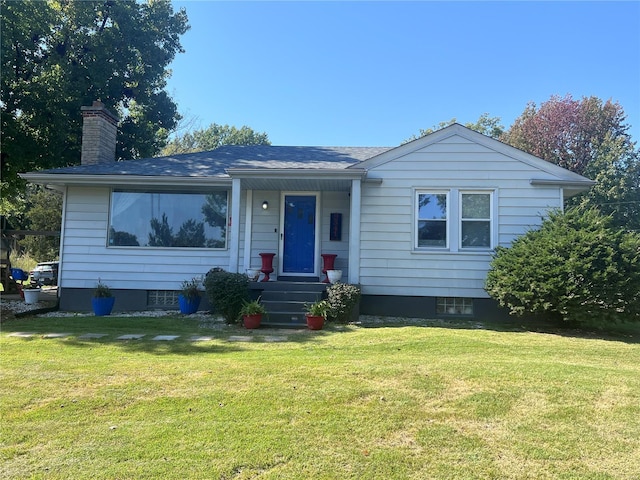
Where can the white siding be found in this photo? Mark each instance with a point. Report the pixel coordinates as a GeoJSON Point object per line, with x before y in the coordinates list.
{"type": "Point", "coordinates": [86, 258]}
{"type": "Point", "coordinates": [389, 263]}
{"type": "Point", "coordinates": [265, 235]}
{"type": "Point", "coordinates": [265, 231]}
{"type": "Point", "coordinates": [335, 202]}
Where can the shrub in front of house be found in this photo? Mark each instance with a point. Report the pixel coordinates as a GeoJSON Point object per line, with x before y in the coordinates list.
{"type": "Point", "coordinates": [227, 293]}
{"type": "Point", "coordinates": [577, 267]}
{"type": "Point", "coordinates": [342, 298]}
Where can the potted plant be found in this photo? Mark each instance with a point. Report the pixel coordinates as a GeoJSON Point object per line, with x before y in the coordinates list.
{"type": "Point", "coordinates": [252, 313]}
{"type": "Point", "coordinates": [253, 274]}
{"type": "Point", "coordinates": [189, 297]}
{"type": "Point", "coordinates": [31, 293]}
{"type": "Point", "coordinates": [102, 300]}
{"type": "Point", "coordinates": [317, 314]}
{"type": "Point", "coordinates": [334, 276]}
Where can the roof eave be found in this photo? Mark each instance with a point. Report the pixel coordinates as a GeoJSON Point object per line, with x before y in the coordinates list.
{"type": "Point", "coordinates": [570, 187]}
{"type": "Point", "coordinates": [298, 173]}
{"type": "Point", "coordinates": [122, 180]}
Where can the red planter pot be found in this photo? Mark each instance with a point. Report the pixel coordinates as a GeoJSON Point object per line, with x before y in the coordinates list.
{"type": "Point", "coordinates": [252, 321]}
{"type": "Point", "coordinates": [315, 322]}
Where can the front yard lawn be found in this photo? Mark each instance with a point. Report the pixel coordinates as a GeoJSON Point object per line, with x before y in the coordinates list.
{"type": "Point", "coordinates": [413, 402]}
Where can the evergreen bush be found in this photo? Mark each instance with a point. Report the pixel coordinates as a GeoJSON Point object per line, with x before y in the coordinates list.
{"type": "Point", "coordinates": [576, 267]}
{"type": "Point", "coordinates": [227, 293]}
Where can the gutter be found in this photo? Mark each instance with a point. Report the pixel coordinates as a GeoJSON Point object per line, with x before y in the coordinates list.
{"type": "Point", "coordinates": [563, 183]}
{"type": "Point", "coordinates": [298, 173]}
{"type": "Point", "coordinates": [124, 180]}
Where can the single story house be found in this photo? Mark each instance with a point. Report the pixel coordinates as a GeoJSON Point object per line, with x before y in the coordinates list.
{"type": "Point", "coordinates": [414, 225]}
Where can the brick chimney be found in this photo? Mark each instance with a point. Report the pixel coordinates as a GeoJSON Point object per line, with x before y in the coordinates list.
{"type": "Point", "coordinates": [99, 129]}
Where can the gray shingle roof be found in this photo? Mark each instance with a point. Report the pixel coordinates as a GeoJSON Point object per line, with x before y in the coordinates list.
{"type": "Point", "coordinates": [214, 163]}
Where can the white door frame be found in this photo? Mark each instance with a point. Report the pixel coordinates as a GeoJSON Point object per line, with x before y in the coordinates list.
{"type": "Point", "coordinates": [316, 253]}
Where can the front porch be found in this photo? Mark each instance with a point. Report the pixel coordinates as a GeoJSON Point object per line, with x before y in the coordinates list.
{"type": "Point", "coordinates": [299, 217]}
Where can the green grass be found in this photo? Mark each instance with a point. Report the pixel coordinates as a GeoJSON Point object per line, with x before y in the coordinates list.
{"type": "Point", "coordinates": [346, 402]}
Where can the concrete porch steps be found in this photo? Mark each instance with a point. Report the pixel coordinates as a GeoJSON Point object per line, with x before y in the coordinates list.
{"type": "Point", "coordinates": [285, 301]}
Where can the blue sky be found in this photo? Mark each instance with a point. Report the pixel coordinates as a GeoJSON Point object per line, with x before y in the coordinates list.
{"type": "Point", "coordinates": [375, 73]}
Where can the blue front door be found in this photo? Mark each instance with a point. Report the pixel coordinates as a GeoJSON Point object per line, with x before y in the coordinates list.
{"type": "Point", "coordinates": [299, 234]}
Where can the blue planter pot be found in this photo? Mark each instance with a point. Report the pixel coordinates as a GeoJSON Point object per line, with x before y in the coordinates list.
{"type": "Point", "coordinates": [102, 305]}
{"type": "Point", "coordinates": [188, 306]}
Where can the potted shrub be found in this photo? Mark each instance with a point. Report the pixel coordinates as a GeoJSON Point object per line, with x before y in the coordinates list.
{"type": "Point", "coordinates": [102, 300]}
{"type": "Point", "coordinates": [31, 293]}
{"type": "Point", "coordinates": [252, 313]}
{"type": "Point", "coordinates": [317, 314]}
{"type": "Point", "coordinates": [189, 296]}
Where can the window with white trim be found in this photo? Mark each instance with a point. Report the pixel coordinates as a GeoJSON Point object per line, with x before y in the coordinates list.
{"type": "Point", "coordinates": [168, 219]}
{"type": "Point", "coordinates": [476, 219]}
{"type": "Point", "coordinates": [432, 219]}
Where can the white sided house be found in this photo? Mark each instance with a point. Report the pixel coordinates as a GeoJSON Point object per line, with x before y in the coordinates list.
{"type": "Point", "coordinates": [415, 225]}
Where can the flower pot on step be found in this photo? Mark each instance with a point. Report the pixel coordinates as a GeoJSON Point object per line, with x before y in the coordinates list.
{"type": "Point", "coordinates": [252, 321]}
{"type": "Point", "coordinates": [334, 275]}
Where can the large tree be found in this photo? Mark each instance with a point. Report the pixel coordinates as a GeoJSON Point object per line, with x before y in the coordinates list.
{"type": "Point", "coordinates": [213, 137]}
{"type": "Point", "coordinates": [589, 137]}
{"type": "Point", "coordinates": [60, 55]}
{"type": "Point", "coordinates": [566, 131]}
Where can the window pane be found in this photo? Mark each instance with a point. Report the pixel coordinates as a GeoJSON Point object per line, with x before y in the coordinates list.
{"type": "Point", "coordinates": [432, 233]}
{"type": "Point", "coordinates": [159, 219]}
{"type": "Point", "coordinates": [476, 205]}
{"type": "Point", "coordinates": [476, 234]}
{"type": "Point", "coordinates": [431, 206]}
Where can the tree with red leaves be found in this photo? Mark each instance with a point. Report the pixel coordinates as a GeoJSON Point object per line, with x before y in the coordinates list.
{"type": "Point", "coordinates": [568, 132]}
{"type": "Point", "coordinates": [589, 137]}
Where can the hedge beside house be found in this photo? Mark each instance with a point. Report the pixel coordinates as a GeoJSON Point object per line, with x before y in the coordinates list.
{"type": "Point", "coordinates": [577, 267]}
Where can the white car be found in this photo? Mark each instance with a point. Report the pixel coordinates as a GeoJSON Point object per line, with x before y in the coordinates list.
{"type": "Point", "coordinates": [45, 273]}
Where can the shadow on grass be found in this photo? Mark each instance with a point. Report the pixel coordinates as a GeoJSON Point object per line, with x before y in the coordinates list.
{"type": "Point", "coordinates": [627, 333]}
{"type": "Point", "coordinates": [146, 345]}
{"type": "Point", "coordinates": [213, 336]}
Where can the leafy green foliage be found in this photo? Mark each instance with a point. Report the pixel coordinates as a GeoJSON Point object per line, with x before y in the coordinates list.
{"type": "Point", "coordinates": [213, 137]}
{"type": "Point", "coordinates": [321, 308]}
{"type": "Point", "coordinates": [616, 170]}
{"type": "Point", "coordinates": [102, 290]}
{"type": "Point", "coordinates": [576, 267]}
{"type": "Point", "coordinates": [227, 293]}
{"type": "Point", "coordinates": [253, 308]}
{"type": "Point", "coordinates": [485, 124]}
{"type": "Point", "coordinates": [190, 289]}
{"type": "Point", "coordinates": [58, 56]}
{"type": "Point", "coordinates": [44, 213]}
{"type": "Point", "coordinates": [342, 298]}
